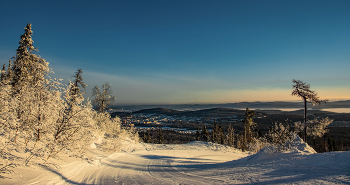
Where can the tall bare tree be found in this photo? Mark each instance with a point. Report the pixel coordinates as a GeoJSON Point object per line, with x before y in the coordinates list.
{"type": "Point", "coordinates": [302, 89]}
{"type": "Point", "coordinates": [103, 99]}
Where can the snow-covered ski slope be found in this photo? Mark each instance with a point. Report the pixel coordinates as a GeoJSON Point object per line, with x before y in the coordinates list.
{"type": "Point", "coordinates": [194, 163]}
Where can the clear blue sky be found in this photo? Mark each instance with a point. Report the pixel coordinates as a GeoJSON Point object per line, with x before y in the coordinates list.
{"type": "Point", "coordinates": [181, 51]}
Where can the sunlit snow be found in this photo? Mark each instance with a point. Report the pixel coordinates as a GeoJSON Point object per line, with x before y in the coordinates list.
{"type": "Point", "coordinates": [194, 163]}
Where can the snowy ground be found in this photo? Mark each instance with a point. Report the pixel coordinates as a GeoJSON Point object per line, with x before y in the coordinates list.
{"type": "Point", "coordinates": [193, 163]}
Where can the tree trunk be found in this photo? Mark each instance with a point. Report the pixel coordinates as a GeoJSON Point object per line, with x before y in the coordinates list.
{"type": "Point", "coordinates": [305, 109]}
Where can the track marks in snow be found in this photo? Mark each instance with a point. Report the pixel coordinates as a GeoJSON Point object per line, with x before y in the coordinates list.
{"type": "Point", "coordinates": [201, 163]}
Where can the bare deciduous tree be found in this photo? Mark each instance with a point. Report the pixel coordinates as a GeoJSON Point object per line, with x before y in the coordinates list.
{"type": "Point", "coordinates": [103, 99]}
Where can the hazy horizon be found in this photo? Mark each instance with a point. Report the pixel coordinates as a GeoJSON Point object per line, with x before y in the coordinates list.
{"type": "Point", "coordinates": [189, 103]}
{"type": "Point", "coordinates": [340, 106]}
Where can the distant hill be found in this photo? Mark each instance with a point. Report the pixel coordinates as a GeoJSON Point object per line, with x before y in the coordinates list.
{"type": "Point", "coordinates": [240, 105]}
{"type": "Point", "coordinates": [212, 112]}
{"type": "Point", "coordinates": [164, 111]}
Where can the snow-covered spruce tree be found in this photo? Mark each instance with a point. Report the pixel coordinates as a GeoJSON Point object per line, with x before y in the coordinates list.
{"type": "Point", "coordinates": [221, 135]}
{"type": "Point", "coordinates": [77, 83]}
{"type": "Point", "coordinates": [198, 134]}
{"type": "Point", "coordinates": [28, 68]}
{"type": "Point", "coordinates": [302, 90]}
{"type": "Point", "coordinates": [103, 99]}
{"type": "Point", "coordinates": [148, 139]}
{"type": "Point", "coordinates": [248, 125]}
{"type": "Point", "coordinates": [160, 138]}
{"type": "Point", "coordinates": [214, 137]}
{"type": "Point", "coordinates": [205, 134]}
{"type": "Point", "coordinates": [230, 136]}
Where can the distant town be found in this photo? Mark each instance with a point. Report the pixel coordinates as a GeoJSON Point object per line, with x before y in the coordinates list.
{"type": "Point", "coordinates": [143, 122]}
{"type": "Point", "coordinates": [189, 121]}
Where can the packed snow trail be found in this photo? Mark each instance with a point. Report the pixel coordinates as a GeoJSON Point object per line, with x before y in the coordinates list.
{"type": "Point", "coordinates": [197, 163]}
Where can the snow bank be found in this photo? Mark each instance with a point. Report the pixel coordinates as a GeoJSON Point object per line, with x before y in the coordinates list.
{"type": "Point", "coordinates": [296, 147]}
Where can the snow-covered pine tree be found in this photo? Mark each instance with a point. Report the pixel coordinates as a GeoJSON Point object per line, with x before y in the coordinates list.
{"type": "Point", "coordinates": [248, 124]}
{"type": "Point", "coordinates": [205, 134]}
{"type": "Point", "coordinates": [149, 139]}
{"type": "Point", "coordinates": [230, 136]}
{"type": "Point", "coordinates": [215, 133]}
{"type": "Point", "coordinates": [160, 137]}
{"type": "Point", "coordinates": [221, 135]}
{"type": "Point", "coordinates": [198, 134]}
{"type": "Point", "coordinates": [28, 68]}
{"type": "Point", "coordinates": [77, 83]}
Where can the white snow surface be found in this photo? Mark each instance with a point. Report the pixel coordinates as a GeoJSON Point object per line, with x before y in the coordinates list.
{"type": "Point", "coordinates": [192, 163]}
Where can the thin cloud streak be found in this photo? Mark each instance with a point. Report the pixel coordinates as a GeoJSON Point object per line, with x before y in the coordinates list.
{"type": "Point", "coordinates": [170, 89]}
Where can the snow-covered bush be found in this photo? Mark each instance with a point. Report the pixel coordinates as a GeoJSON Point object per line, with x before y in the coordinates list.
{"type": "Point", "coordinates": [279, 138]}
{"type": "Point", "coordinates": [279, 134]}
{"type": "Point", "coordinates": [74, 126]}
{"type": "Point", "coordinates": [315, 128]}
{"type": "Point", "coordinates": [257, 144]}
{"type": "Point", "coordinates": [112, 132]}
{"type": "Point", "coordinates": [318, 127]}
{"type": "Point", "coordinates": [295, 144]}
